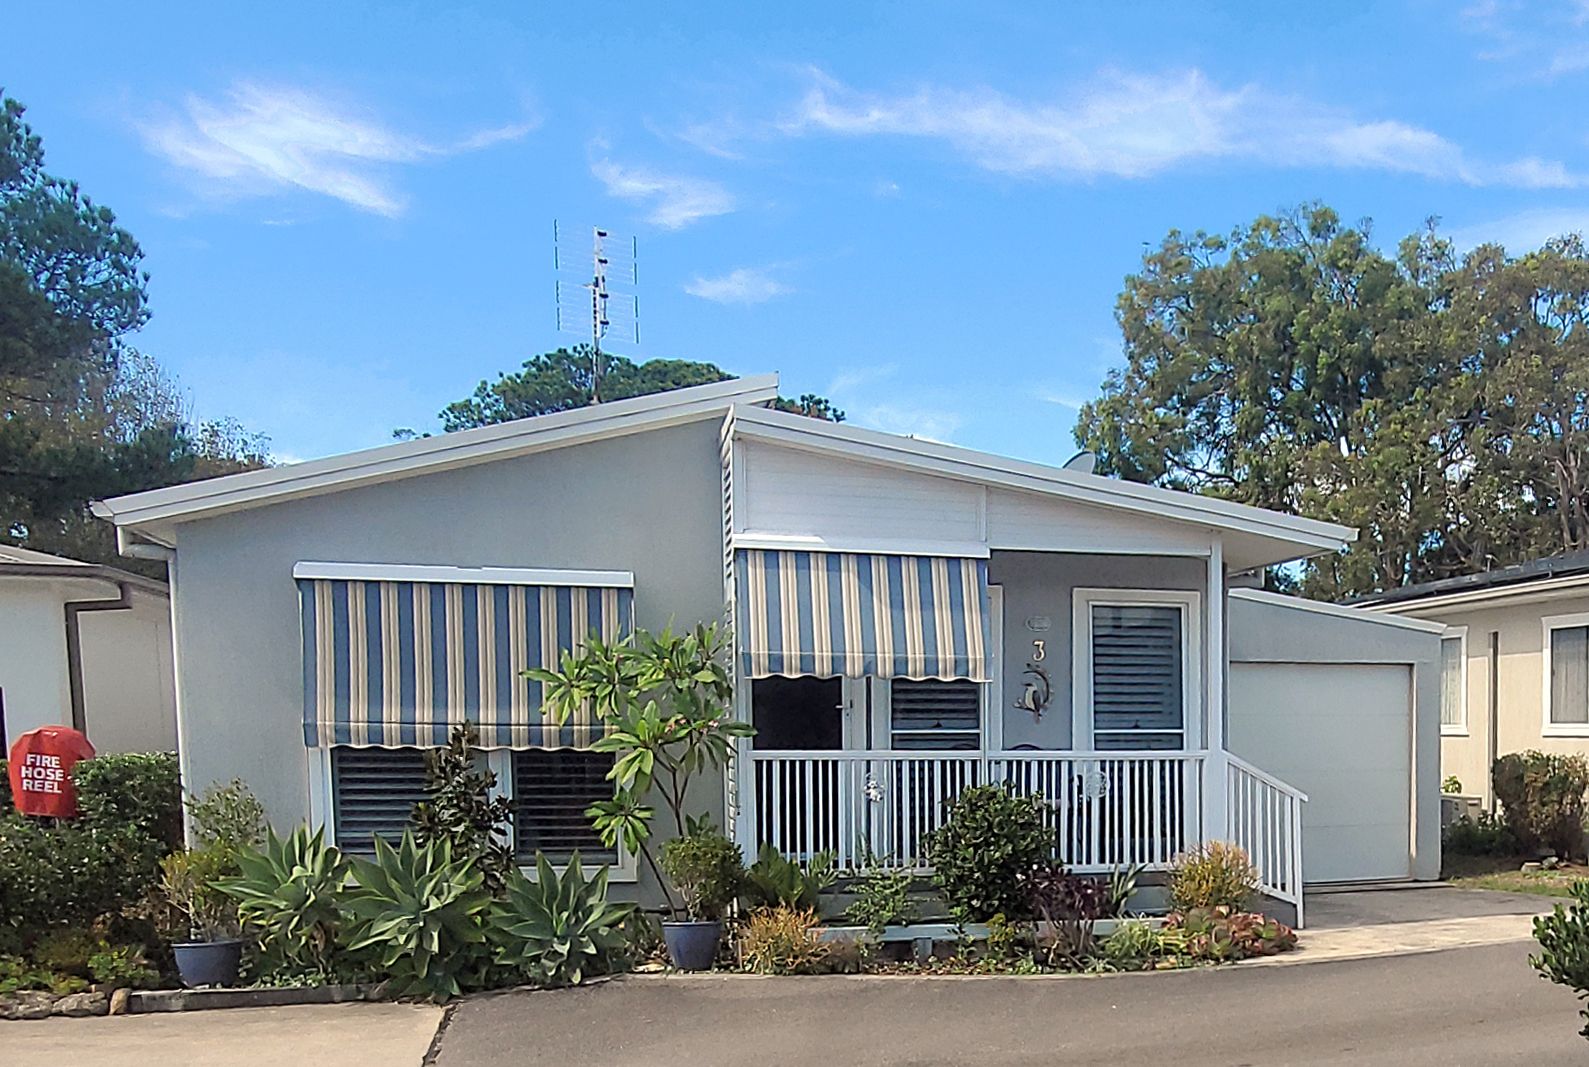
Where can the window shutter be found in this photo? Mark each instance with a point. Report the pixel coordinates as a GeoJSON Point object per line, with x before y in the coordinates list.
{"type": "Point", "coordinates": [551, 790]}
{"type": "Point", "coordinates": [935, 714]}
{"type": "Point", "coordinates": [374, 790]}
{"type": "Point", "coordinates": [1137, 699]}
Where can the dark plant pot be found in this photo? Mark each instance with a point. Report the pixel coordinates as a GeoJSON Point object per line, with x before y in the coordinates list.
{"type": "Point", "coordinates": [208, 962]}
{"type": "Point", "coordinates": [692, 946]}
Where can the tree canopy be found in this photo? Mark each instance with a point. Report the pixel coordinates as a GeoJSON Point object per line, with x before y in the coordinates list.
{"type": "Point", "coordinates": [82, 414]}
{"type": "Point", "coordinates": [563, 380]}
{"type": "Point", "coordinates": [1437, 403]}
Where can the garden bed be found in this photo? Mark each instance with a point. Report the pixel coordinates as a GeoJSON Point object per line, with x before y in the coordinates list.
{"type": "Point", "coordinates": [1506, 874]}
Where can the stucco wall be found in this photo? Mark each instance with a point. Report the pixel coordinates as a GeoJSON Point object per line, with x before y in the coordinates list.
{"type": "Point", "coordinates": [33, 681]}
{"type": "Point", "coordinates": [649, 503]}
{"type": "Point", "coordinates": [1041, 586]}
{"type": "Point", "coordinates": [1520, 688]}
{"type": "Point", "coordinates": [129, 691]}
{"type": "Point", "coordinates": [1275, 633]}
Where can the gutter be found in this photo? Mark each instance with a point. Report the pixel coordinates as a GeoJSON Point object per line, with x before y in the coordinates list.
{"type": "Point", "coordinates": [74, 646]}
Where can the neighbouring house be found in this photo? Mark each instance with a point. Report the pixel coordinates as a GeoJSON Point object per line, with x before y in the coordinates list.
{"type": "Point", "coordinates": [1514, 661]}
{"type": "Point", "coordinates": [85, 645]}
{"type": "Point", "coordinates": [911, 618]}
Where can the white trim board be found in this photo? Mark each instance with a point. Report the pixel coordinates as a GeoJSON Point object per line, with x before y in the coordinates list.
{"type": "Point", "coordinates": [785, 542]}
{"type": "Point", "coordinates": [1194, 700]}
{"type": "Point", "coordinates": [1547, 624]}
{"type": "Point", "coordinates": [1458, 634]}
{"type": "Point", "coordinates": [400, 572]}
{"type": "Point", "coordinates": [1339, 611]}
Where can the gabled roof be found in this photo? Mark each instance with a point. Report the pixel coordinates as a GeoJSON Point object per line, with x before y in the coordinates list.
{"type": "Point", "coordinates": [1300, 536]}
{"type": "Point", "coordinates": [16, 562]}
{"type": "Point", "coordinates": [1570, 569]}
{"type": "Point", "coordinates": [153, 513]}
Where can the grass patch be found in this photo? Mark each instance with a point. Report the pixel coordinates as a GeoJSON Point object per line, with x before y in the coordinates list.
{"type": "Point", "coordinates": [1504, 874]}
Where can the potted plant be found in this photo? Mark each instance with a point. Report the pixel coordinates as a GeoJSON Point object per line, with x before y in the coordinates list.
{"type": "Point", "coordinates": [188, 882]}
{"type": "Point", "coordinates": [707, 870]}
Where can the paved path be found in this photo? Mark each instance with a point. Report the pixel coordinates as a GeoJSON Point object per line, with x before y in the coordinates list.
{"type": "Point", "coordinates": [1479, 1005]}
{"type": "Point", "coordinates": [343, 1035]}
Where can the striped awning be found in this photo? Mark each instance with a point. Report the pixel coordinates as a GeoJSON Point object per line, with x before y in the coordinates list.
{"type": "Point", "coordinates": [397, 663]}
{"type": "Point", "coordinates": [855, 614]}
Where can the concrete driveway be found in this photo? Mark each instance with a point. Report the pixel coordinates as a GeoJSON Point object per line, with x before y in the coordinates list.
{"type": "Point", "coordinates": [1473, 1005]}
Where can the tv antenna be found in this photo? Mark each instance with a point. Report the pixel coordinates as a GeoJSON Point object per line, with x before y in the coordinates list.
{"type": "Point", "coordinates": [595, 291]}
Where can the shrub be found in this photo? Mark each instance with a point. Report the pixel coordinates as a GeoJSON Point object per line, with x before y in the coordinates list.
{"type": "Point", "coordinates": [288, 897]}
{"type": "Point", "coordinates": [774, 879]}
{"type": "Point", "coordinates": [707, 870]}
{"type": "Point", "coordinates": [1487, 835]}
{"type": "Point", "coordinates": [17, 975]}
{"type": "Point", "coordinates": [1122, 886]}
{"type": "Point", "coordinates": [882, 899]}
{"type": "Point", "coordinates": [1451, 784]}
{"type": "Point", "coordinates": [1219, 934]}
{"type": "Point", "coordinates": [421, 912]}
{"type": "Point", "coordinates": [1135, 944]}
{"type": "Point", "coordinates": [189, 883]}
{"type": "Point", "coordinates": [71, 874]}
{"type": "Point", "coordinates": [554, 931]}
{"type": "Point", "coordinates": [1213, 875]}
{"type": "Point", "coordinates": [783, 940]}
{"type": "Point", "coordinates": [990, 839]}
{"type": "Point", "coordinates": [1542, 797]}
{"type": "Point", "coordinates": [461, 808]}
{"type": "Point", "coordinates": [1070, 904]}
{"type": "Point", "coordinates": [228, 817]}
{"type": "Point", "coordinates": [1563, 938]}
{"type": "Point", "coordinates": [138, 790]}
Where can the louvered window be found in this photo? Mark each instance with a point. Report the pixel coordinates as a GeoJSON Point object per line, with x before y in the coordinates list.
{"type": "Point", "coordinates": [373, 793]}
{"type": "Point", "coordinates": [935, 714]}
{"type": "Point", "coordinates": [551, 790]}
{"type": "Point", "coordinates": [1138, 663]}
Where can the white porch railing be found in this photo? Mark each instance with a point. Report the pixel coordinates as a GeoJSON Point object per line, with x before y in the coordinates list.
{"type": "Point", "coordinates": [1266, 820]}
{"type": "Point", "coordinates": [1109, 809]}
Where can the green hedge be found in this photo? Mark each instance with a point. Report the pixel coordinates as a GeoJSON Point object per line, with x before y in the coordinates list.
{"type": "Point", "coordinates": [1542, 798]}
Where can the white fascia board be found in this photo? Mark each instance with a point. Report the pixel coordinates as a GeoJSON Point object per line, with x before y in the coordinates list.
{"type": "Point", "coordinates": [442, 452]}
{"type": "Point", "coordinates": [969, 465]}
{"type": "Point", "coordinates": [402, 572]}
{"type": "Point", "coordinates": [1338, 611]}
{"type": "Point", "coordinates": [1516, 593]}
{"type": "Point", "coordinates": [785, 542]}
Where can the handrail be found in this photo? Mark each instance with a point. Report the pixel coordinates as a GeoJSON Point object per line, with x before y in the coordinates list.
{"type": "Point", "coordinates": [1264, 776]}
{"type": "Point", "coordinates": [1264, 816]}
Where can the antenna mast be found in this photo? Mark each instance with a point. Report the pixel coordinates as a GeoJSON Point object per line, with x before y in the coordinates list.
{"type": "Point", "coordinates": [591, 302]}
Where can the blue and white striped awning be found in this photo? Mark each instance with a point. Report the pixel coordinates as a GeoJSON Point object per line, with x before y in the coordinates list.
{"type": "Point", "coordinates": [856, 614]}
{"type": "Point", "coordinates": [398, 663]}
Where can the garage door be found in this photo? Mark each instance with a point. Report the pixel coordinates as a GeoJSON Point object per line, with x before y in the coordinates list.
{"type": "Point", "coordinates": [1342, 734]}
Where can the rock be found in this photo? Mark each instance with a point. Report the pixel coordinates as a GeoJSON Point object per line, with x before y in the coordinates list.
{"type": "Point", "coordinates": [28, 1005]}
{"type": "Point", "coordinates": [79, 1005]}
{"type": "Point", "coordinates": [1550, 863]}
{"type": "Point", "coordinates": [1531, 868]}
{"type": "Point", "coordinates": [119, 1001]}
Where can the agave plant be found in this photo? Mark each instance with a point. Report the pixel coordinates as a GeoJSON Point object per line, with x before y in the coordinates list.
{"type": "Point", "coordinates": [422, 913]}
{"type": "Point", "coordinates": [288, 895]}
{"type": "Point", "coordinates": [555, 930]}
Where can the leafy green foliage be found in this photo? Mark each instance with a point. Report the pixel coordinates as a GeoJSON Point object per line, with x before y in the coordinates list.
{"type": "Point", "coordinates": [1122, 886]}
{"type": "Point", "coordinates": [190, 885]}
{"type": "Point", "coordinates": [19, 975]}
{"type": "Point", "coordinates": [990, 839]}
{"type": "Point", "coordinates": [882, 899]}
{"type": "Point", "coordinates": [1542, 799]}
{"type": "Point", "coordinates": [83, 954]}
{"type": "Point", "coordinates": [228, 817]}
{"type": "Point", "coordinates": [707, 869]}
{"type": "Point", "coordinates": [288, 895]}
{"type": "Point", "coordinates": [557, 930]}
{"type": "Point", "coordinates": [783, 940]}
{"type": "Point", "coordinates": [421, 913]}
{"type": "Point", "coordinates": [70, 874]}
{"type": "Point", "coordinates": [1215, 874]}
{"type": "Point", "coordinates": [137, 790]}
{"type": "Point", "coordinates": [1487, 835]}
{"type": "Point", "coordinates": [775, 879]}
{"type": "Point", "coordinates": [460, 807]}
{"type": "Point", "coordinates": [1563, 938]}
{"type": "Point", "coordinates": [565, 380]}
{"type": "Point", "coordinates": [1137, 945]}
{"type": "Point", "coordinates": [1222, 934]}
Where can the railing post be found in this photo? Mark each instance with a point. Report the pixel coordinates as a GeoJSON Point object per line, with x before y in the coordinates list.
{"type": "Point", "coordinates": [1216, 796]}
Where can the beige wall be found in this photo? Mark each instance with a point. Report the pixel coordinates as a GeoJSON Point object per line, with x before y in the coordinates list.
{"type": "Point", "coordinates": [1519, 691]}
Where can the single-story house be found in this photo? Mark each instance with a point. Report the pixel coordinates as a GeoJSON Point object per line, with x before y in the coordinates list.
{"type": "Point", "coordinates": [910, 618]}
{"type": "Point", "coordinates": [85, 645]}
{"type": "Point", "coordinates": [1514, 662]}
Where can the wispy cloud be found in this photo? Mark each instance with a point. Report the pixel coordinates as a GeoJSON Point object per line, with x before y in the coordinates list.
{"type": "Point", "coordinates": [873, 396]}
{"type": "Point", "coordinates": [744, 285]}
{"type": "Point", "coordinates": [1523, 231]}
{"type": "Point", "coordinates": [1134, 126]}
{"type": "Point", "coordinates": [260, 140]}
{"type": "Point", "coordinates": [1543, 39]}
{"type": "Point", "coordinates": [674, 201]}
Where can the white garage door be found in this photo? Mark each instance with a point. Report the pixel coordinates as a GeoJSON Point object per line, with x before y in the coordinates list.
{"type": "Point", "coordinates": [1342, 734]}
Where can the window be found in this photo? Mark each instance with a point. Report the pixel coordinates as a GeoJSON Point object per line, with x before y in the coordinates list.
{"type": "Point", "coordinates": [797, 713]}
{"type": "Point", "coordinates": [1135, 669]}
{"type": "Point", "coordinates": [373, 792]}
{"type": "Point", "coordinates": [551, 790]}
{"type": "Point", "coordinates": [1453, 683]}
{"type": "Point", "coordinates": [1567, 674]}
{"type": "Point", "coordinates": [934, 714]}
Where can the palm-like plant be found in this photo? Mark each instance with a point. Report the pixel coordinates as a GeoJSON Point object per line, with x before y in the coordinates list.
{"type": "Point", "coordinates": [553, 930]}
{"type": "Point", "coordinates": [288, 894]}
{"type": "Point", "coordinates": [420, 911]}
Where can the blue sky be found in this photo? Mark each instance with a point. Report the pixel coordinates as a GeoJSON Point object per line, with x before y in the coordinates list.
{"type": "Point", "coordinates": [921, 210]}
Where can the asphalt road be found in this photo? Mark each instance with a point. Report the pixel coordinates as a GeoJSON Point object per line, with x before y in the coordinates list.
{"type": "Point", "coordinates": [1459, 1006]}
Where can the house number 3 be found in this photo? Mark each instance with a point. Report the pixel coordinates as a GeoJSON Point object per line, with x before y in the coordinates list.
{"type": "Point", "coordinates": [1039, 651]}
